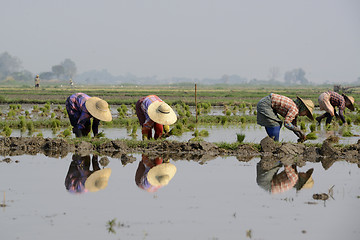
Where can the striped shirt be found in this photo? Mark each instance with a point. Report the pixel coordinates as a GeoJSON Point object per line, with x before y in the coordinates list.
{"type": "Point", "coordinates": [286, 108]}
{"type": "Point", "coordinates": [76, 104]}
{"type": "Point", "coordinates": [284, 181]}
{"type": "Point", "coordinates": [145, 105]}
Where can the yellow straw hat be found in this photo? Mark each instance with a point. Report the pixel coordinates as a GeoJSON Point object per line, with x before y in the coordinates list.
{"type": "Point", "coordinates": [305, 180]}
{"type": "Point", "coordinates": [98, 180]}
{"type": "Point", "coordinates": [161, 174]}
{"type": "Point", "coordinates": [309, 106]}
{"type": "Point", "coordinates": [99, 109]}
{"type": "Point", "coordinates": [350, 102]}
{"type": "Point", "coordinates": [162, 113]}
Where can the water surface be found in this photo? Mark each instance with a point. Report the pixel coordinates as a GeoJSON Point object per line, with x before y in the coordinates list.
{"type": "Point", "coordinates": [217, 199]}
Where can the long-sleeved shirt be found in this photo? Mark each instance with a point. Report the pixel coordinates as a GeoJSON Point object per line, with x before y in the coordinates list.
{"type": "Point", "coordinates": [78, 111]}
{"type": "Point", "coordinates": [284, 180]}
{"type": "Point", "coordinates": [286, 108]}
{"type": "Point", "coordinates": [145, 105]}
{"type": "Point", "coordinates": [336, 100]}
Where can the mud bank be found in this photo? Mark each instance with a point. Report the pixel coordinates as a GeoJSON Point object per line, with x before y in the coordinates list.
{"type": "Point", "coordinates": [270, 152]}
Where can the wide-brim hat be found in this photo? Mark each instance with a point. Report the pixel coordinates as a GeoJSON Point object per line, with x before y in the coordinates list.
{"type": "Point", "coordinates": [99, 109]}
{"type": "Point", "coordinates": [350, 100]}
{"type": "Point", "coordinates": [309, 107]}
{"type": "Point", "coordinates": [161, 175]}
{"type": "Point", "coordinates": [98, 180]}
{"type": "Point", "coordinates": [305, 180]}
{"type": "Point", "coordinates": [162, 113]}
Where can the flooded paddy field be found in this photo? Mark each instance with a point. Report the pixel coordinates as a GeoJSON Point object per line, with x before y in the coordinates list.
{"type": "Point", "coordinates": [48, 188]}
{"type": "Point", "coordinates": [213, 199]}
{"type": "Point", "coordinates": [216, 132]}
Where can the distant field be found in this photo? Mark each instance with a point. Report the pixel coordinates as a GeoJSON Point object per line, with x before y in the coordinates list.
{"type": "Point", "coordinates": [217, 96]}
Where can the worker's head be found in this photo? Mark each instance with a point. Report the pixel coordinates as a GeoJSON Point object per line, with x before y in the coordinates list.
{"type": "Point", "coordinates": [349, 102]}
{"type": "Point", "coordinates": [99, 109]}
{"type": "Point", "coordinates": [305, 107]}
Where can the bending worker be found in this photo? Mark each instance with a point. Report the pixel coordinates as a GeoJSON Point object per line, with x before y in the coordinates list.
{"type": "Point", "coordinates": [270, 106]}
{"type": "Point", "coordinates": [81, 108]}
{"type": "Point", "coordinates": [329, 100]}
{"type": "Point", "coordinates": [153, 112]}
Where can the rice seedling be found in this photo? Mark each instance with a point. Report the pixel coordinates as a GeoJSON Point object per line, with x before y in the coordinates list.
{"type": "Point", "coordinates": [346, 132]}
{"type": "Point", "coordinates": [312, 136]}
{"type": "Point", "coordinates": [302, 125]}
{"type": "Point", "coordinates": [242, 120]}
{"type": "Point", "coordinates": [203, 133]}
{"type": "Point", "coordinates": [30, 126]}
{"type": "Point", "coordinates": [312, 127]}
{"type": "Point", "coordinates": [240, 137]}
{"type": "Point", "coordinates": [224, 120]}
{"type": "Point", "coordinates": [6, 131]}
{"type": "Point", "coordinates": [35, 108]}
{"type": "Point", "coordinates": [133, 131]}
{"type": "Point", "coordinates": [348, 121]}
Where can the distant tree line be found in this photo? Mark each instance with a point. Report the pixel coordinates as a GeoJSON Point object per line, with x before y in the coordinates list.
{"type": "Point", "coordinates": [12, 72]}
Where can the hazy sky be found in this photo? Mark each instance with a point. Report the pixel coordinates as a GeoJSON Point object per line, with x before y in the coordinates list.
{"type": "Point", "coordinates": [186, 38]}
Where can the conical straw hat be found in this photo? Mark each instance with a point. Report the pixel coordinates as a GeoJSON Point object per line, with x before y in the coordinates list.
{"type": "Point", "coordinates": [161, 175]}
{"type": "Point", "coordinates": [98, 180]}
{"type": "Point", "coordinates": [99, 109]}
{"type": "Point", "coordinates": [309, 106]}
{"type": "Point", "coordinates": [162, 113]}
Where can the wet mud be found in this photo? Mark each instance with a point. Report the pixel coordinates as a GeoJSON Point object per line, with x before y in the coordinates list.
{"type": "Point", "coordinates": [271, 152]}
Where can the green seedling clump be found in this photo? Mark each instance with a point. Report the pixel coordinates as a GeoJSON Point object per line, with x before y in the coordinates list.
{"type": "Point", "coordinates": [204, 133]}
{"type": "Point", "coordinates": [240, 137]}
{"type": "Point", "coordinates": [312, 127]}
{"type": "Point", "coordinates": [312, 136]}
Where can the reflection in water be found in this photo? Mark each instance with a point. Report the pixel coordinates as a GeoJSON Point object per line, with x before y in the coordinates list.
{"type": "Point", "coordinates": [80, 178]}
{"type": "Point", "coordinates": [274, 182]}
{"type": "Point", "coordinates": [154, 173]}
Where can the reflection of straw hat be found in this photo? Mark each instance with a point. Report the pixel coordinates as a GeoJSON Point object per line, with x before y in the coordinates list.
{"type": "Point", "coordinates": [161, 175]}
{"type": "Point", "coordinates": [98, 180]}
{"type": "Point", "coordinates": [305, 180]}
{"type": "Point", "coordinates": [162, 113]}
{"type": "Point", "coordinates": [350, 100]}
{"type": "Point", "coordinates": [309, 107]}
{"type": "Point", "coordinates": [99, 109]}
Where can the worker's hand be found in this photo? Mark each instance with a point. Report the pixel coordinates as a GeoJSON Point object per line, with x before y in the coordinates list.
{"type": "Point", "coordinates": [166, 128]}
{"type": "Point", "coordinates": [144, 137]}
{"type": "Point", "coordinates": [302, 139]}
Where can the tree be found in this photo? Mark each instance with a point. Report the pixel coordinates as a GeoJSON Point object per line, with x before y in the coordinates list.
{"type": "Point", "coordinates": [9, 64]}
{"type": "Point", "coordinates": [296, 76]}
{"type": "Point", "coordinates": [58, 70]}
{"type": "Point", "coordinates": [69, 68]}
{"type": "Point", "coordinates": [46, 75]}
{"type": "Point", "coordinates": [24, 75]}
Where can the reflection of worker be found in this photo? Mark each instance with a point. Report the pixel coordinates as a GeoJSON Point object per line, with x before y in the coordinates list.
{"type": "Point", "coordinates": [37, 81]}
{"type": "Point", "coordinates": [153, 173]}
{"type": "Point", "coordinates": [275, 182]}
{"type": "Point", "coordinates": [329, 100]}
{"type": "Point", "coordinates": [81, 108]}
{"type": "Point", "coordinates": [80, 179]}
{"type": "Point", "coordinates": [152, 112]}
{"type": "Point", "coordinates": [270, 106]}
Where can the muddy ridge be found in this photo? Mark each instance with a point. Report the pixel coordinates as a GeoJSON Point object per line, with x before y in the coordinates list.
{"type": "Point", "coordinates": [271, 152]}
